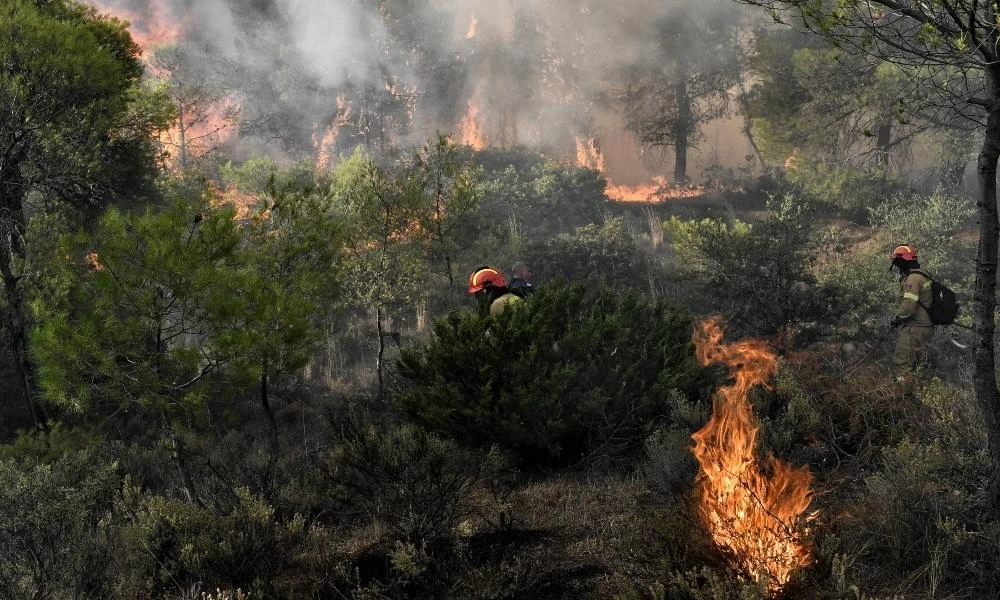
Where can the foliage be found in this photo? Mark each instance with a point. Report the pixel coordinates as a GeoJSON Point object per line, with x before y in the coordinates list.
{"type": "Point", "coordinates": [52, 527]}
{"type": "Point", "coordinates": [934, 224]}
{"type": "Point", "coordinates": [761, 276]}
{"type": "Point", "coordinates": [288, 282]}
{"type": "Point", "coordinates": [672, 96]}
{"type": "Point", "coordinates": [603, 254]}
{"type": "Point", "coordinates": [257, 176]}
{"type": "Point", "coordinates": [539, 200]}
{"type": "Point", "coordinates": [409, 482]}
{"type": "Point", "coordinates": [153, 303]}
{"type": "Point", "coordinates": [385, 267]}
{"type": "Point", "coordinates": [920, 525]}
{"type": "Point", "coordinates": [572, 374]}
{"type": "Point", "coordinates": [76, 120]}
{"type": "Point", "coordinates": [832, 119]}
{"type": "Point", "coordinates": [447, 185]}
{"type": "Point", "coordinates": [169, 545]}
{"type": "Point", "coordinates": [134, 330]}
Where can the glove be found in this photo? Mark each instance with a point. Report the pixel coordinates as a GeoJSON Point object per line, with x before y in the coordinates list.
{"type": "Point", "coordinates": [896, 322]}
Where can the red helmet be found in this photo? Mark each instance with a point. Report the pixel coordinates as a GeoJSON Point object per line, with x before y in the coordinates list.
{"type": "Point", "coordinates": [485, 277]}
{"type": "Point", "coordinates": [905, 252]}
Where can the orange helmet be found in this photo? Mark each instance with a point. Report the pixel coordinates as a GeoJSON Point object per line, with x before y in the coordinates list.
{"type": "Point", "coordinates": [905, 252]}
{"type": "Point", "coordinates": [485, 277]}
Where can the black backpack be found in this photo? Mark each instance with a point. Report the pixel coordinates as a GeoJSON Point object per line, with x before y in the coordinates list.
{"type": "Point", "coordinates": [944, 304]}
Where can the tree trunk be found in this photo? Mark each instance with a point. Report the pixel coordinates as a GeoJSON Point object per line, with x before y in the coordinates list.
{"type": "Point", "coordinates": [265, 403]}
{"type": "Point", "coordinates": [883, 141]}
{"type": "Point", "coordinates": [381, 352]}
{"type": "Point", "coordinates": [182, 131]}
{"type": "Point", "coordinates": [747, 128]}
{"type": "Point", "coordinates": [985, 380]}
{"type": "Point", "coordinates": [179, 454]}
{"type": "Point", "coordinates": [15, 317]}
{"type": "Point", "coordinates": [683, 125]}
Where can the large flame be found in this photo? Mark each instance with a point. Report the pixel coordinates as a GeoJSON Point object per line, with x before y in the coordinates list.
{"type": "Point", "coordinates": [470, 130]}
{"type": "Point", "coordinates": [589, 155]}
{"type": "Point", "coordinates": [155, 25]}
{"type": "Point", "coordinates": [196, 133]}
{"type": "Point", "coordinates": [758, 518]}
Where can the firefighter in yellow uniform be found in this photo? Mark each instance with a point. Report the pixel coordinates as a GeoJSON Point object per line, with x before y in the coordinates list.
{"type": "Point", "coordinates": [490, 289]}
{"type": "Point", "coordinates": [916, 327]}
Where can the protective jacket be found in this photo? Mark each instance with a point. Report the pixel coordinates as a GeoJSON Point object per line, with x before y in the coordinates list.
{"type": "Point", "coordinates": [914, 298]}
{"type": "Point", "coordinates": [502, 302]}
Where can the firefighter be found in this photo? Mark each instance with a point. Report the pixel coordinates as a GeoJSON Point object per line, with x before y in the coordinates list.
{"type": "Point", "coordinates": [520, 283]}
{"type": "Point", "coordinates": [911, 317]}
{"type": "Point", "coordinates": [490, 289]}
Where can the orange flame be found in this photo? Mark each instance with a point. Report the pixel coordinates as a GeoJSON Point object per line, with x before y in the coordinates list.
{"type": "Point", "coordinates": [325, 143]}
{"type": "Point", "coordinates": [244, 204]}
{"type": "Point", "coordinates": [155, 25]}
{"type": "Point", "coordinates": [200, 133]}
{"type": "Point", "coordinates": [94, 261]}
{"type": "Point", "coordinates": [588, 154]}
{"type": "Point", "coordinates": [756, 517]}
{"type": "Point", "coordinates": [471, 33]}
{"type": "Point", "coordinates": [471, 134]}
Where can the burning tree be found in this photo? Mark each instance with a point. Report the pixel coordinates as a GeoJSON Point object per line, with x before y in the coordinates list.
{"type": "Point", "coordinates": [753, 516]}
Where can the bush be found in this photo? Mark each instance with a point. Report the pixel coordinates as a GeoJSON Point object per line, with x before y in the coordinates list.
{"type": "Point", "coordinates": [52, 527]}
{"type": "Point", "coordinates": [933, 223]}
{"type": "Point", "coordinates": [571, 374]}
{"type": "Point", "coordinates": [169, 544]}
{"type": "Point", "coordinates": [601, 254]}
{"type": "Point", "coordinates": [759, 275]}
{"type": "Point", "coordinates": [409, 482]}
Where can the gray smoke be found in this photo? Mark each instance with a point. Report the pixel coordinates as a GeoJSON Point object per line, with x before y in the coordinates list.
{"type": "Point", "coordinates": [541, 72]}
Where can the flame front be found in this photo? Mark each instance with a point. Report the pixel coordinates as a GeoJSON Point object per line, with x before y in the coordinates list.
{"type": "Point", "coordinates": [471, 132]}
{"type": "Point", "coordinates": [589, 155]}
{"type": "Point", "coordinates": [758, 518]}
{"type": "Point", "coordinates": [155, 25]}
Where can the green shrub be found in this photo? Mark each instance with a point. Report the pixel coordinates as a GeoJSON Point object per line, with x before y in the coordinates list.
{"type": "Point", "coordinates": [934, 223]}
{"type": "Point", "coordinates": [170, 544]}
{"type": "Point", "coordinates": [573, 373]}
{"type": "Point", "coordinates": [409, 482]}
{"type": "Point", "coordinates": [760, 275]}
{"type": "Point", "coordinates": [603, 254]}
{"type": "Point", "coordinates": [52, 527]}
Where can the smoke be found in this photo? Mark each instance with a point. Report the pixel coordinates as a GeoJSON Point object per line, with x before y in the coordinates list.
{"type": "Point", "coordinates": [336, 40]}
{"type": "Point", "coordinates": [538, 72]}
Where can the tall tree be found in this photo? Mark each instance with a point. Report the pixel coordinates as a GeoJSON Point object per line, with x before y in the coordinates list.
{"type": "Point", "coordinates": [446, 185]}
{"type": "Point", "coordinates": [670, 97]}
{"type": "Point", "coordinates": [205, 111]}
{"type": "Point", "coordinates": [137, 329]}
{"type": "Point", "coordinates": [70, 131]}
{"type": "Point", "coordinates": [288, 280]}
{"type": "Point", "coordinates": [385, 267]}
{"type": "Point", "coordinates": [952, 49]}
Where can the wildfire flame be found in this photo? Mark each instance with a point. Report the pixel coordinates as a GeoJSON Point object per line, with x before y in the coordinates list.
{"type": "Point", "coordinates": [155, 25]}
{"type": "Point", "coordinates": [471, 33]}
{"type": "Point", "coordinates": [471, 134]}
{"type": "Point", "coordinates": [758, 518]}
{"type": "Point", "coordinates": [325, 143]}
{"type": "Point", "coordinates": [589, 155]}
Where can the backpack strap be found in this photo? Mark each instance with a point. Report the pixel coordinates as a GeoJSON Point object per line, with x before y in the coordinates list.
{"type": "Point", "coordinates": [930, 282]}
